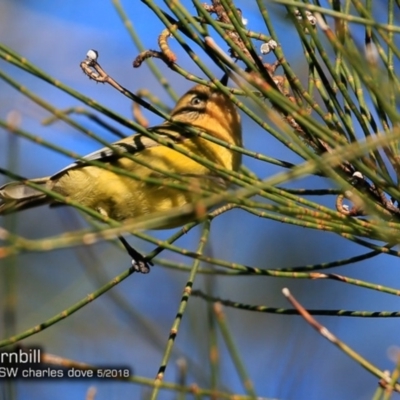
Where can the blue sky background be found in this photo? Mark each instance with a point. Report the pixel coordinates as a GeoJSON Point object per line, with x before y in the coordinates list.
{"type": "Point", "coordinates": [130, 324]}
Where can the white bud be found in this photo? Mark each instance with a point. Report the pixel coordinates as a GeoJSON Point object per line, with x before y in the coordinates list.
{"type": "Point", "coordinates": [311, 19]}
{"type": "Point", "coordinates": [92, 55]}
{"type": "Point", "coordinates": [268, 46]}
{"type": "Point", "coordinates": [358, 174]}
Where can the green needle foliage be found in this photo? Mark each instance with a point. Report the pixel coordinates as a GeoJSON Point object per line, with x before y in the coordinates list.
{"type": "Point", "coordinates": [335, 114]}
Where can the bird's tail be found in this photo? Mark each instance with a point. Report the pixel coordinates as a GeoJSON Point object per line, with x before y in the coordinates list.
{"type": "Point", "coordinates": [17, 196]}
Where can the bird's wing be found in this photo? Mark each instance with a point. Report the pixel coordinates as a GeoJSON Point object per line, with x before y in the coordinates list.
{"type": "Point", "coordinates": [132, 145]}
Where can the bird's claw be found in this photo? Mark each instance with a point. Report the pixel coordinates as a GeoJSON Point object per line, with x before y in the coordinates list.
{"type": "Point", "coordinates": [141, 266]}
{"type": "Point", "coordinates": [139, 262]}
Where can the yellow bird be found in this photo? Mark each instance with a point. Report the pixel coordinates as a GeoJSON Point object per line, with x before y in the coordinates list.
{"type": "Point", "coordinates": [120, 197]}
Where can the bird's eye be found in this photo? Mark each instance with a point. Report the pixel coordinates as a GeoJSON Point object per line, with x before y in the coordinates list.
{"type": "Point", "coordinates": [197, 101]}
